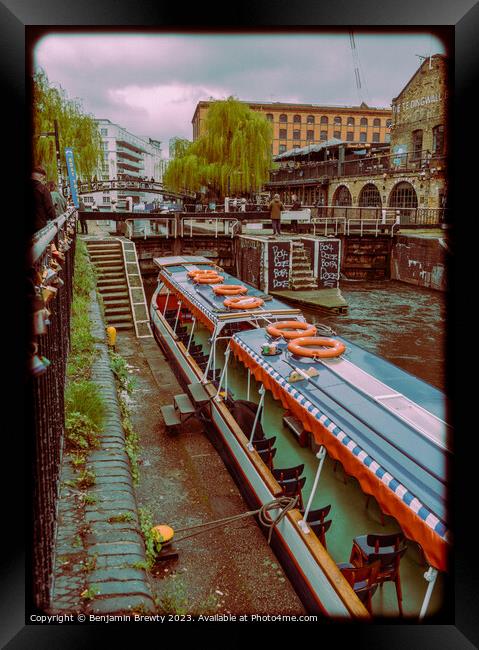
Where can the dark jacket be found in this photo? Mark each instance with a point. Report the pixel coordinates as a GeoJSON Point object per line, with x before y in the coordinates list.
{"type": "Point", "coordinates": [43, 209]}
{"type": "Point", "coordinates": [275, 208]}
{"type": "Point", "coordinates": [59, 203]}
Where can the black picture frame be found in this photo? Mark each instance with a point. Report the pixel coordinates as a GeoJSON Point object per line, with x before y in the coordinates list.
{"type": "Point", "coordinates": [463, 18]}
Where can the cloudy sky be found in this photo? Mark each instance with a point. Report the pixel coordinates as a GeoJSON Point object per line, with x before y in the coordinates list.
{"type": "Point", "coordinates": [150, 84]}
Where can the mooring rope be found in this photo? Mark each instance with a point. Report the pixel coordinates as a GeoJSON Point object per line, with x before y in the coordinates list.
{"type": "Point", "coordinates": [284, 504]}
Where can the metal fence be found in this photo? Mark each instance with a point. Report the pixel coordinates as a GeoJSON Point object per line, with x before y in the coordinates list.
{"type": "Point", "coordinates": [421, 161]}
{"type": "Point", "coordinates": [51, 289]}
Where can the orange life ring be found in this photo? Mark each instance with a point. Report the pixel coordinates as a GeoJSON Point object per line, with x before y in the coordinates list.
{"type": "Point", "coordinates": [202, 272]}
{"type": "Point", "coordinates": [280, 329]}
{"type": "Point", "coordinates": [208, 279]}
{"type": "Point", "coordinates": [301, 347]}
{"type": "Point", "coordinates": [243, 302]}
{"type": "Point", "coordinates": [230, 290]}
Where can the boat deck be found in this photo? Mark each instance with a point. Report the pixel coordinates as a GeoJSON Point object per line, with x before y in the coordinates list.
{"type": "Point", "coordinates": [351, 513]}
{"type": "Point", "coordinates": [203, 297]}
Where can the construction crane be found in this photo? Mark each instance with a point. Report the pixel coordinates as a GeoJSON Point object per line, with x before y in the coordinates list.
{"type": "Point", "coordinates": [357, 67]}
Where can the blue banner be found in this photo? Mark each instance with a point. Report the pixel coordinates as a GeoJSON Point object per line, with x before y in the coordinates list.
{"type": "Point", "coordinates": [72, 175]}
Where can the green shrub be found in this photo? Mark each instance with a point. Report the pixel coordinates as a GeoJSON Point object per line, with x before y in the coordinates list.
{"type": "Point", "coordinates": [120, 370]}
{"type": "Point", "coordinates": [152, 540]}
{"type": "Point", "coordinates": [81, 433]}
{"type": "Point", "coordinates": [85, 397]}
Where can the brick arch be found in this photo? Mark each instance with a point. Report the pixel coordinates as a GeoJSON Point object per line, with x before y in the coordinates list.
{"type": "Point", "coordinates": [403, 195]}
{"type": "Point", "coordinates": [369, 196]}
{"type": "Point", "coordinates": [342, 196]}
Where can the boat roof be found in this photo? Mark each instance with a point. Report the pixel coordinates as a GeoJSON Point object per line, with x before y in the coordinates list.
{"type": "Point", "coordinates": [206, 305]}
{"type": "Point", "coordinates": [164, 262]}
{"type": "Point", "coordinates": [384, 425]}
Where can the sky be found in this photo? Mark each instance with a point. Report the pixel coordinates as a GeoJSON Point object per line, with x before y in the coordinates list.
{"type": "Point", "coordinates": [150, 84]}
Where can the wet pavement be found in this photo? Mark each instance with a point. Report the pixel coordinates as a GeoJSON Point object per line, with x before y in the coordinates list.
{"type": "Point", "coordinates": [184, 482]}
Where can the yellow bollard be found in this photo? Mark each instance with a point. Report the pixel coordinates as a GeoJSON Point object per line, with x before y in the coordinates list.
{"type": "Point", "coordinates": [163, 534]}
{"type": "Point", "coordinates": [111, 336]}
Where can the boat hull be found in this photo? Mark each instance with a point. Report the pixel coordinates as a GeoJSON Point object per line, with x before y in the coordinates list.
{"type": "Point", "coordinates": [306, 565]}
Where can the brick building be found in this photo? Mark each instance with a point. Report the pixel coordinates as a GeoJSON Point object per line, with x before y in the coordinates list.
{"type": "Point", "coordinates": [297, 125]}
{"type": "Point", "coordinates": [407, 174]}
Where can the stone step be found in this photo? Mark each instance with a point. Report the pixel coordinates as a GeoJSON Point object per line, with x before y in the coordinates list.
{"type": "Point", "coordinates": [117, 318]}
{"type": "Point", "coordinates": [301, 265]}
{"type": "Point", "coordinates": [298, 274]}
{"type": "Point", "coordinates": [114, 265]}
{"type": "Point", "coordinates": [304, 287]}
{"type": "Point", "coordinates": [112, 275]}
{"type": "Point", "coordinates": [114, 311]}
{"type": "Point", "coordinates": [106, 257]}
{"type": "Point", "coordinates": [105, 282]}
{"type": "Point", "coordinates": [93, 243]}
{"type": "Point", "coordinates": [103, 250]}
{"type": "Point", "coordinates": [124, 326]}
{"type": "Point", "coordinates": [115, 297]}
{"type": "Point", "coordinates": [303, 259]}
{"type": "Point", "coordinates": [109, 267]}
{"type": "Point", "coordinates": [113, 293]}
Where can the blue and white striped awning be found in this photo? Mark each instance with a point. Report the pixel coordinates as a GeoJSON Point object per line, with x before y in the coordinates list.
{"type": "Point", "coordinates": [405, 494]}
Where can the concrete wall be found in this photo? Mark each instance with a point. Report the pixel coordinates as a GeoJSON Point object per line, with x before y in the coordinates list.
{"type": "Point", "coordinates": [420, 260]}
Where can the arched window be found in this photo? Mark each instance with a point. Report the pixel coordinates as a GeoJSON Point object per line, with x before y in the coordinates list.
{"type": "Point", "coordinates": [376, 121]}
{"type": "Point", "coordinates": [403, 196]}
{"type": "Point", "coordinates": [310, 119]}
{"type": "Point", "coordinates": [364, 121]}
{"type": "Point", "coordinates": [269, 116]}
{"type": "Point", "coordinates": [369, 197]}
{"type": "Point", "coordinates": [337, 120]}
{"type": "Point", "coordinates": [283, 117]}
{"type": "Point", "coordinates": [342, 196]}
{"type": "Point", "coordinates": [297, 119]}
{"type": "Point", "coordinates": [416, 144]}
{"type": "Point", "coordinates": [324, 119]}
{"type": "Point", "coordinates": [438, 140]}
{"type": "Point", "coordinates": [350, 121]}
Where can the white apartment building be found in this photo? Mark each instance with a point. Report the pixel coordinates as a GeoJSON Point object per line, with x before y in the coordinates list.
{"type": "Point", "coordinates": [126, 155]}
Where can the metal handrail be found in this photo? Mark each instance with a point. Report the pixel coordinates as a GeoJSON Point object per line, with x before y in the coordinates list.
{"type": "Point", "coordinates": [42, 238]}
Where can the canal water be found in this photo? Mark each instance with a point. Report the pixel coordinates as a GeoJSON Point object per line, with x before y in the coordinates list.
{"type": "Point", "coordinates": [401, 323]}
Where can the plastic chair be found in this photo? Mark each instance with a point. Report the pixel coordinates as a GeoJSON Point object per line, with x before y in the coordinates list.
{"type": "Point", "coordinates": [363, 580]}
{"type": "Point", "coordinates": [320, 529]}
{"type": "Point", "coordinates": [317, 516]}
{"type": "Point", "coordinates": [267, 456]}
{"type": "Point", "coordinates": [389, 549]}
{"type": "Point", "coordinates": [287, 473]}
{"type": "Point", "coordinates": [293, 488]}
{"type": "Point", "coordinates": [261, 444]}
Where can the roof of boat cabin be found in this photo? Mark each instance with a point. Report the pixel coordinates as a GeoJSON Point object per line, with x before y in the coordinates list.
{"type": "Point", "coordinates": [363, 406]}
{"type": "Point", "coordinates": [209, 307]}
{"type": "Point", "coordinates": [184, 259]}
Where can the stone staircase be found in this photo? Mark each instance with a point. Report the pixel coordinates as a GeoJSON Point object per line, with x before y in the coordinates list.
{"type": "Point", "coordinates": [107, 256]}
{"type": "Point", "coordinates": [302, 278]}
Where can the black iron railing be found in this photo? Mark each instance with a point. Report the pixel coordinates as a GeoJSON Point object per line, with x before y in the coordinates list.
{"type": "Point", "coordinates": [51, 290]}
{"type": "Point", "coordinates": [422, 162]}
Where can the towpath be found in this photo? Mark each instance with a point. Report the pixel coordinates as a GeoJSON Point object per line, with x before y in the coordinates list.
{"type": "Point", "coordinates": [184, 482]}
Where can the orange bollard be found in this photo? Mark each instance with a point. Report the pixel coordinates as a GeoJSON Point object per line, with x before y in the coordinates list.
{"type": "Point", "coordinates": [111, 336]}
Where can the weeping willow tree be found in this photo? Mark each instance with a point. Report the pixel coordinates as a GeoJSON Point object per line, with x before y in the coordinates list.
{"type": "Point", "coordinates": [233, 156]}
{"type": "Point", "coordinates": [76, 128]}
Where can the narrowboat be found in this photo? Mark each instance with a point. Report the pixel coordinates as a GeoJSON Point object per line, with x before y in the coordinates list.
{"type": "Point", "coordinates": [347, 453]}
